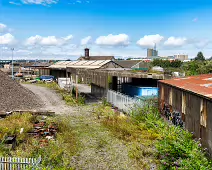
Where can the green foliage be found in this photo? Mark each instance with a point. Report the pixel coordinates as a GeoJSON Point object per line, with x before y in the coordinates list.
{"type": "Point", "coordinates": [167, 63]}
{"type": "Point", "coordinates": [51, 85]}
{"type": "Point", "coordinates": [55, 155]}
{"type": "Point", "coordinates": [199, 57]}
{"type": "Point", "coordinates": [79, 81]}
{"type": "Point", "coordinates": [70, 98]}
{"type": "Point", "coordinates": [104, 102]}
{"type": "Point", "coordinates": [72, 101]}
{"type": "Point", "coordinates": [58, 153]}
{"type": "Point", "coordinates": [109, 79]}
{"type": "Point", "coordinates": [197, 67]}
{"type": "Point", "coordinates": [153, 140]}
{"type": "Point", "coordinates": [12, 125]}
{"type": "Point", "coordinates": [178, 151]}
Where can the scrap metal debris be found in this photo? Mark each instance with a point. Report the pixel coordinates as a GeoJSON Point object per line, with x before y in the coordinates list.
{"type": "Point", "coordinates": [44, 132]}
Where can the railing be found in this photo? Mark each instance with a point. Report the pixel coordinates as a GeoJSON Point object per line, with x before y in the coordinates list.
{"type": "Point", "coordinates": [123, 102]}
{"type": "Point", "coordinates": [13, 163]}
{"type": "Point", "coordinates": [126, 103]}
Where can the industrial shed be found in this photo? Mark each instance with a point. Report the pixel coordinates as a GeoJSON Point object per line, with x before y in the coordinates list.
{"type": "Point", "coordinates": [61, 68]}
{"type": "Point", "coordinates": [191, 97]}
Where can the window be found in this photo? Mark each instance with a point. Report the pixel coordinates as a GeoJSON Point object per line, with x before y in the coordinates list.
{"type": "Point", "coordinates": [203, 112]}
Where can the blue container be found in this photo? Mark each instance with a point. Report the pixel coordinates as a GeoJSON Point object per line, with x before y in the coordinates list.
{"type": "Point", "coordinates": [139, 91]}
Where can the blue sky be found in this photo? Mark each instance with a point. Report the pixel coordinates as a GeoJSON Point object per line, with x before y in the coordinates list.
{"type": "Point", "coordinates": [62, 28]}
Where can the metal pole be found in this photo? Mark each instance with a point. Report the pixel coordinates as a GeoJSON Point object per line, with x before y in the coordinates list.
{"type": "Point", "coordinates": [12, 49]}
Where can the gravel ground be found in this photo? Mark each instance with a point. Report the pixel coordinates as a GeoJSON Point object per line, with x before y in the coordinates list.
{"type": "Point", "coordinates": [99, 149]}
{"type": "Point", "coordinates": [14, 97]}
{"type": "Point", "coordinates": [51, 101]}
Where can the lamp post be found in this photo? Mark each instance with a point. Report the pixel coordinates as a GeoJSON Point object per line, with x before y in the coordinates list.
{"type": "Point", "coordinates": [12, 49]}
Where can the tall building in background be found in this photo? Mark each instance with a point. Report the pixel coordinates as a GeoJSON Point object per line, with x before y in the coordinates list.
{"type": "Point", "coordinates": [149, 52]}
{"type": "Point", "coordinates": [152, 51]}
{"type": "Point", "coordinates": [181, 57]}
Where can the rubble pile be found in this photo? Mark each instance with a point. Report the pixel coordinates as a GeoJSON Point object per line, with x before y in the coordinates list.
{"type": "Point", "coordinates": [15, 97]}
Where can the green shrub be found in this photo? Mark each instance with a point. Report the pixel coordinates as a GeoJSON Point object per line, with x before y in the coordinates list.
{"type": "Point", "coordinates": [152, 139]}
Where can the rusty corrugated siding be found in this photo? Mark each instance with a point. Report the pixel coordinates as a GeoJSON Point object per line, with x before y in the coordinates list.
{"type": "Point", "coordinates": [196, 84]}
{"type": "Point", "coordinates": [192, 114]}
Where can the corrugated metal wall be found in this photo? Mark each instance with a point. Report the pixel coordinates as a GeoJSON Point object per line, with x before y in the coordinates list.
{"type": "Point", "coordinates": [184, 101]}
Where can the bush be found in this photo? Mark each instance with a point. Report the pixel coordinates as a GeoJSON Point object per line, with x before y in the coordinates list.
{"type": "Point", "coordinates": [151, 139]}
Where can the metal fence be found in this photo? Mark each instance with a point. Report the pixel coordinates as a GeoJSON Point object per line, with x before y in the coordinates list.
{"type": "Point", "coordinates": [123, 102]}
{"type": "Point", "coordinates": [13, 163]}
{"type": "Point", "coordinates": [127, 103]}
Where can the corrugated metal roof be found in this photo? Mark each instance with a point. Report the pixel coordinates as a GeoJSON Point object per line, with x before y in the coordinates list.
{"type": "Point", "coordinates": [97, 58]}
{"type": "Point", "coordinates": [90, 62]}
{"type": "Point", "coordinates": [127, 63]}
{"type": "Point", "coordinates": [81, 64]}
{"type": "Point", "coordinates": [72, 63]}
{"type": "Point", "coordinates": [197, 84]}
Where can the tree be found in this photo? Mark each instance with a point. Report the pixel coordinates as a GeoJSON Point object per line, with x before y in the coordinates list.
{"type": "Point", "coordinates": [176, 63]}
{"type": "Point", "coordinates": [119, 59]}
{"type": "Point", "coordinates": [200, 57]}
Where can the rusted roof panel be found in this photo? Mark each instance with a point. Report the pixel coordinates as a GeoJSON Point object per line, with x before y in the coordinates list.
{"type": "Point", "coordinates": [201, 84]}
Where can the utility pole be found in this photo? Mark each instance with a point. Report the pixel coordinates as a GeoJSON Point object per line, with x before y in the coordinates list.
{"type": "Point", "coordinates": [12, 49]}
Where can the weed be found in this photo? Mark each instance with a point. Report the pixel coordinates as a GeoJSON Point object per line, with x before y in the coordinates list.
{"type": "Point", "coordinates": [68, 97]}
{"type": "Point", "coordinates": [55, 155]}
{"type": "Point", "coordinates": [151, 139]}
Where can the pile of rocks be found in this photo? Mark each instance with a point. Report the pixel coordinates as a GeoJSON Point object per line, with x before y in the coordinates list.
{"type": "Point", "coordinates": [13, 96]}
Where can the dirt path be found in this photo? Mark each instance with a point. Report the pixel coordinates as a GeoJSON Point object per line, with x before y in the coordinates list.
{"type": "Point", "coordinates": [99, 150]}
{"type": "Point", "coordinates": [51, 100]}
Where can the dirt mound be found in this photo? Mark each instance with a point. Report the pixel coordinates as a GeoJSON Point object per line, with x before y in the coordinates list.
{"type": "Point", "coordinates": [15, 97]}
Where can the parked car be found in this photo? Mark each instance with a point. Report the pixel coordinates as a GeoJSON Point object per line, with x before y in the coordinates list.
{"type": "Point", "coordinates": [46, 78]}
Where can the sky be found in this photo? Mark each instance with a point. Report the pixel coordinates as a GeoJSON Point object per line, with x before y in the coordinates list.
{"type": "Point", "coordinates": [61, 29]}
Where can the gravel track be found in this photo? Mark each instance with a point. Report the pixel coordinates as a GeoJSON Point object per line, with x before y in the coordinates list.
{"type": "Point", "coordinates": [99, 149]}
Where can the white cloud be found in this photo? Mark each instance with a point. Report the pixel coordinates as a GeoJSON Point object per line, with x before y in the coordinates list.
{"type": "Point", "coordinates": [15, 3]}
{"type": "Point", "coordinates": [175, 41]}
{"type": "Point", "coordinates": [113, 40]}
{"type": "Point", "coordinates": [150, 40]}
{"type": "Point", "coordinates": [69, 37]}
{"type": "Point", "coordinates": [33, 40]}
{"type": "Point", "coordinates": [40, 2]}
{"type": "Point", "coordinates": [86, 40]}
{"type": "Point", "coordinates": [51, 41]}
{"type": "Point", "coordinates": [48, 41]}
{"type": "Point", "coordinates": [79, 2]}
{"type": "Point", "coordinates": [3, 28]}
{"type": "Point", "coordinates": [7, 39]}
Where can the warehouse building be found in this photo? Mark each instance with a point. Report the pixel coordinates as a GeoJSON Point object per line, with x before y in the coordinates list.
{"type": "Point", "coordinates": [189, 100]}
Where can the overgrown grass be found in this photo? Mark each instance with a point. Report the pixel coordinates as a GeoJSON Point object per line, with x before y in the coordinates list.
{"type": "Point", "coordinates": [56, 155]}
{"type": "Point", "coordinates": [13, 124]}
{"type": "Point", "coordinates": [140, 140]}
{"type": "Point", "coordinates": [69, 97]}
{"type": "Point", "coordinates": [151, 140]}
